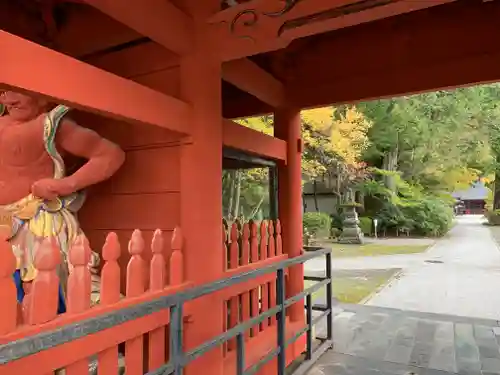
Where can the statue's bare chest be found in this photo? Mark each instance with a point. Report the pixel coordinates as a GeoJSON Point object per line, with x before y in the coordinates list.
{"type": "Point", "coordinates": [22, 145]}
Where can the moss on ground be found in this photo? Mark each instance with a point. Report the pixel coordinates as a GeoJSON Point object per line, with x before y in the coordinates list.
{"type": "Point", "coordinates": [368, 250]}
{"type": "Point", "coordinates": [356, 287]}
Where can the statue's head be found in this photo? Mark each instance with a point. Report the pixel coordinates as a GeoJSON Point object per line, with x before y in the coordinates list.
{"type": "Point", "coordinates": [21, 107]}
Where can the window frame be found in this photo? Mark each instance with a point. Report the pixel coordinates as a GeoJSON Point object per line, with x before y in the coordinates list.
{"type": "Point", "coordinates": [258, 161]}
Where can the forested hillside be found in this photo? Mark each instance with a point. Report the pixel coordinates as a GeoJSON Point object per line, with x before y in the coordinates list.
{"type": "Point", "coordinates": [403, 154]}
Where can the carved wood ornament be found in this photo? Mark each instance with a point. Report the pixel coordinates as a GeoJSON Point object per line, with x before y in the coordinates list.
{"type": "Point", "coordinates": [250, 17]}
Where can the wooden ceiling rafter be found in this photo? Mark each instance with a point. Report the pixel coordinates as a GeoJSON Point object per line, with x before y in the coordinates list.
{"type": "Point", "coordinates": [384, 58]}
{"type": "Point", "coordinates": [249, 77]}
{"type": "Point", "coordinates": [261, 26]}
{"type": "Point", "coordinates": [242, 73]}
{"type": "Point", "coordinates": [330, 21]}
{"type": "Point", "coordinates": [160, 20]}
{"type": "Point", "coordinates": [76, 39]}
{"type": "Point", "coordinates": [69, 81]}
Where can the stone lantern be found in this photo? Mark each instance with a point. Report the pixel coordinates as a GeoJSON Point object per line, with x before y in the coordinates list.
{"type": "Point", "coordinates": [352, 233]}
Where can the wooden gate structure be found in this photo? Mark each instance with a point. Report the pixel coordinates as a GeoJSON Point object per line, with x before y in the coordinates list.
{"type": "Point", "coordinates": [163, 79]}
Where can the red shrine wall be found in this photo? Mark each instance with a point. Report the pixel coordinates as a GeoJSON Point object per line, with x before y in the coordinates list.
{"type": "Point", "coordinates": [144, 193]}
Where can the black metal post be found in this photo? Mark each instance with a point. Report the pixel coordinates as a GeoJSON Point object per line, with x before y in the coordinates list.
{"type": "Point", "coordinates": [176, 338]}
{"type": "Point", "coordinates": [329, 297]}
{"type": "Point", "coordinates": [281, 319]}
{"type": "Point", "coordinates": [309, 327]}
{"type": "Point", "coordinates": [240, 354]}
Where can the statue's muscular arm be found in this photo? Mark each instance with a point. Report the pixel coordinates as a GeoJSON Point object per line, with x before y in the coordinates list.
{"type": "Point", "coordinates": [104, 159]}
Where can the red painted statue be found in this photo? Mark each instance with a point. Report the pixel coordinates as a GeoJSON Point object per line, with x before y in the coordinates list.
{"type": "Point", "coordinates": [37, 198]}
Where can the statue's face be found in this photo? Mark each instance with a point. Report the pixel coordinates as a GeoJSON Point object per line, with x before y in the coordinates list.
{"type": "Point", "coordinates": [21, 107]}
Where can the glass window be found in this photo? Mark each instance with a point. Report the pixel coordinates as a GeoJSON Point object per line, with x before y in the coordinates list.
{"type": "Point", "coordinates": [248, 187]}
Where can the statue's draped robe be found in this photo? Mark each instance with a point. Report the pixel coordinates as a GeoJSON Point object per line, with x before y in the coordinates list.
{"type": "Point", "coordinates": [31, 220]}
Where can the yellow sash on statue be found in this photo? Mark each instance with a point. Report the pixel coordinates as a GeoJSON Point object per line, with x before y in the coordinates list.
{"type": "Point", "coordinates": [42, 219]}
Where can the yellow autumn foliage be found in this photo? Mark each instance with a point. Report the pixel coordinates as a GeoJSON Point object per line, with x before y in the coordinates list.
{"type": "Point", "coordinates": [346, 134]}
{"type": "Point", "coordinates": [347, 131]}
{"type": "Point", "coordinates": [349, 135]}
{"type": "Point", "coordinates": [459, 178]}
{"type": "Point", "coordinates": [318, 118]}
{"type": "Point", "coordinates": [263, 124]}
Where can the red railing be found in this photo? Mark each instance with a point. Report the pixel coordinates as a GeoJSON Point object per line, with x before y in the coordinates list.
{"type": "Point", "coordinates": [145, 339]}
{"type": "Point", "coordinates": [250, 246]}
{"type": "Point", "coordinates": [141, 344]}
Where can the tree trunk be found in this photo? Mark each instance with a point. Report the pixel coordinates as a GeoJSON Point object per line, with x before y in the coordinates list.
{"type": "Point", "coordinates": [232, 182]}
{"type": "Point", "coordinates": [496, 193]}
{"type": "Point", "coordinates": [256, 209]}
{"type": "Point", "coordinates": [390, 164]}
{"type": "Point", "coordinates": [315, 196]}
{"type": "Point", "coordinates": [237, 195]}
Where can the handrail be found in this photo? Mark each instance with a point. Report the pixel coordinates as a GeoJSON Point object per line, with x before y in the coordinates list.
{"type": "Point", "coordinates": [178, 358]}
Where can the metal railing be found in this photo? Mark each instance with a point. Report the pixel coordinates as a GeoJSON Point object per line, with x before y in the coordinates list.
{"type": "Point", "coordinates": [179, 358]}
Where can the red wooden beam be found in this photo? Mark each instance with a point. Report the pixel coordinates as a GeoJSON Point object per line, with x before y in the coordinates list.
{"type": "Point", "coordinates": [395, 8]}
{"type": "Point", "coordinates": [77, 38]}
{"type": "Point", "coordinates": [249, 77]}
{"type": "Point", "coordinates": [258, 26]}
{"type": "Point", "coordinates": [242, 138]}
{"type": "Point", "coordinates": [433, 49]}
{"type": "Point", "coordinates": [149, 58]}
{"type": "Point", "coordinates": [427, 50]}
{"type": "Point", "coordinates": [440, 75]}
{"type": "Point", "coordinates": [30, 67]}
{"type": "Point", "coordinates": [158, 19]}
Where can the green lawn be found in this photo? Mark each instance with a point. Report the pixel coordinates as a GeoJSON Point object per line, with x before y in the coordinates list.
{"type": "Point", "coordinates": [356, 287]}
{"type": "Point", "coordinates": [368, 250]}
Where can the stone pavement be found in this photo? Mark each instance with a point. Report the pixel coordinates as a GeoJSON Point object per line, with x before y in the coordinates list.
{"type": "Point", "coordinates": [377, 262]}
{"type": "Point", "coordinates": [377, 341]}
{"type": "Point", "coordinates": [459, 276]}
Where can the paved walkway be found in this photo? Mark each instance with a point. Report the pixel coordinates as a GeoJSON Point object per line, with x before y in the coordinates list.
{"type": "Point", "coordinates": [465, 283]}
{"type": "Point", "coordinates": [377, 341]}
{"type": "Point", "coordinates": [459, 275]}
{"type": "Point", "coordinates": [377, 262]}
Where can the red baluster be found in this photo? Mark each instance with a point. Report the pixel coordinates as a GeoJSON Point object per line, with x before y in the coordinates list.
{"type": "Point", "coordinates": [177, 258]}
{"type": "Point", "coordinates": [78, 291]}
{"type": "Point", "coordinates": [279, 242]}
{"type": "Point", "coordinates": [272, 253]}
{"type": "Point", "coordinates": [234, 250]}
{"type": "Point", "coordinates": [41, 303]}
{"type": "Point", "coordinates": [254, 293]}
{"type": "Point", "coordinates": [79, 282]}
{"type": "Point", "coordinates": [245, 260]}
{"type": "Point", "coordinates": [264, 299]}
{"type": "Point", "coordinates": [110, 293]}
{"type": "Point", "coordinates": [157, 281]}
{"type": "Point", "coordinates": [135, 287]}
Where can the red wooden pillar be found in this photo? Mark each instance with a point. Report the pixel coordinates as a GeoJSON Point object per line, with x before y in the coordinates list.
{"type": "Point", "coordinates": [201, 193]}
{"type": "Point", "coordinates": [287, 127]}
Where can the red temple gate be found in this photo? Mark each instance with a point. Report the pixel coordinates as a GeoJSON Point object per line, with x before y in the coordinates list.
{"type": "Point", "coordinates": [149, 78]}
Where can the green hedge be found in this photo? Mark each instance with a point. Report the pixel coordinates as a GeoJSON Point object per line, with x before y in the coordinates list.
{"type": "Point", "coordinates": [365, 223]}
{"type": "Point", "coordinates": [317, 223]}
{"type": "Point", "coordinates": [493, 217]}
{"type": "Point", "coordinates": [421, 212]}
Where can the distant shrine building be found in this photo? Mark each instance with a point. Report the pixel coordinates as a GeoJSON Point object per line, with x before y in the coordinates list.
{"type": "Point", "coordinates": [474, 198]}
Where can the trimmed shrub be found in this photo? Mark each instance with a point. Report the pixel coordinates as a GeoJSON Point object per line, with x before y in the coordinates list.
{"type": "Point", "coordinates": [365, 223]}
{"type": "Point", "coordinates": [317, 223]}
{"type": "Point", "coordinates": [493, 217]}
{"type": "Point", "coordinates": [410, 207]}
